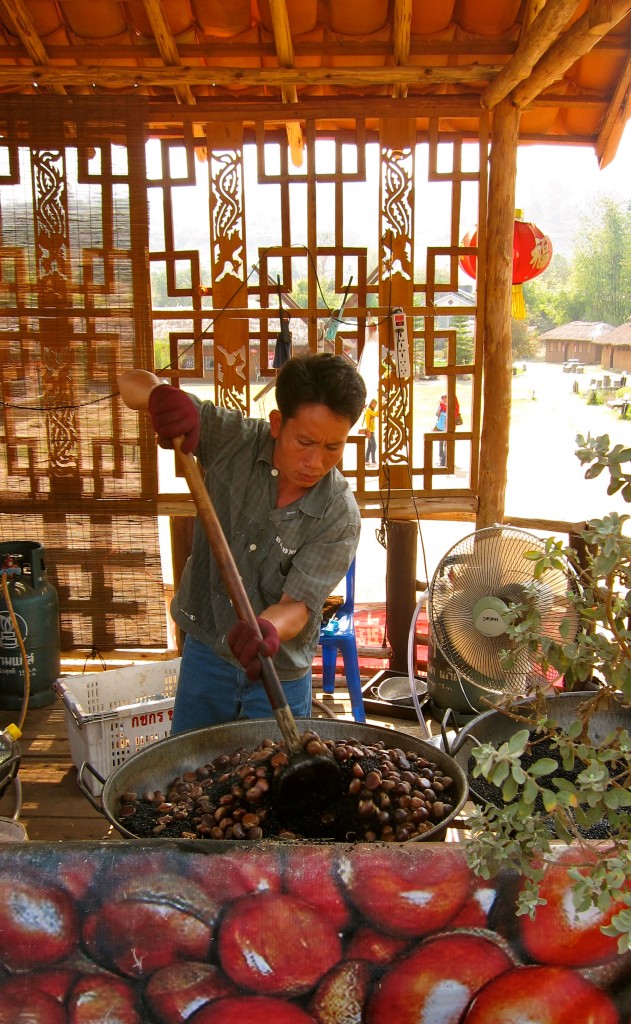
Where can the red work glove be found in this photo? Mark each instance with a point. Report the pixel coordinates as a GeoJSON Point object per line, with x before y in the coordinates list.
{"type": "Point", "coordinates": [174, 414]}
{"type": "Point", "coordinates": [246, 646]}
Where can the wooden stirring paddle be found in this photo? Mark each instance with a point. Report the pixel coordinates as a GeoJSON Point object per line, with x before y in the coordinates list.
{"type": "Point", "coordinates": [309, 781]}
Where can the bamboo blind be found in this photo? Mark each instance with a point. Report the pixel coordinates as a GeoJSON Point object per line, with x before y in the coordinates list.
{"type": "Point", "coordinates": [75, 468]}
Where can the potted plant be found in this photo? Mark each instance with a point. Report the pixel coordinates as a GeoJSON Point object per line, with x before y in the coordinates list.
{"type": "Point", "coordinates": [559, 786]}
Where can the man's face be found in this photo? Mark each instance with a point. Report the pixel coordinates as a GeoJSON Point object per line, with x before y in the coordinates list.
{"type": "Point", "coordinates": [309, 444]}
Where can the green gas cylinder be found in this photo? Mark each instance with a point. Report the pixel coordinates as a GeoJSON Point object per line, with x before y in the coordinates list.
{"type": "Point", "coordinates": [447, 689]}
{"type": "Point", "coordinates": [34, 603]}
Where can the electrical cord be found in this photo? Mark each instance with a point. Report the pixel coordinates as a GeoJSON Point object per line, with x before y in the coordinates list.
{"type": "Point", "coordinates": [17, 785]}
{"type": "Point", "coordinates": [18, 635]}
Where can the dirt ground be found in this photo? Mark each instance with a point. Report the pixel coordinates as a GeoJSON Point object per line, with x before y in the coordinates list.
{"type": "Point", "coordinates": [545, 479]}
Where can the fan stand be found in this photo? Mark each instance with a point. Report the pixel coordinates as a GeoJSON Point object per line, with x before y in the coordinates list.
{"type": "Point", "coordinates": [459, 718]}
{"type": "Point", "coordinates": [412, 664]}
{"type": "Point", "coordinates": [437, 713]}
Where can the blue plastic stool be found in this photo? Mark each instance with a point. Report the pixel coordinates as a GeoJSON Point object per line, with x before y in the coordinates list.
{"type": "Point", "coordinates": [339, 635]}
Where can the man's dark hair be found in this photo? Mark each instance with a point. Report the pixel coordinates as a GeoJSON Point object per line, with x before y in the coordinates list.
{"type": "Point", "coordinates": [321, 379]}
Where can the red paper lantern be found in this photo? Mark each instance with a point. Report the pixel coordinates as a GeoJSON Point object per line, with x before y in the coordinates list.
{"type": "Point", "coordinates": [532, 253]}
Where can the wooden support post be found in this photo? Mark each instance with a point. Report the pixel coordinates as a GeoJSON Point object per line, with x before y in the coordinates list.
{"type": "Point", "coordinates": [497, 323]}
{"type": "Point", "coordinates": [400, 589]}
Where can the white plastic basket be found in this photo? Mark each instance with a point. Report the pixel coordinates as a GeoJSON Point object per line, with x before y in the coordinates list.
{"type": "Point", "coordinates": [112, 715]}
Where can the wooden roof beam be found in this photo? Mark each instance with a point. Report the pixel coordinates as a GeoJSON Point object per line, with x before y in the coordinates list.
{"type": "Point", "coordinates": [18, 17]}
{"type": "Point", "coordinates": [533, 43]}
{"type": "Point", "coordinates": [402, 37]}
{"type": "Point", "coordinates": [285, 53]}
{"type": "Point", "coordinates": [579, 39]}
{"type": "Point", "coordinates": [615, 119]}
{"type": "Point", "coordinates": [95, 74]}
{"type": "Point", "coordinates": [531, 10]}
{"type": "Point", "coordinates": [167, 45]}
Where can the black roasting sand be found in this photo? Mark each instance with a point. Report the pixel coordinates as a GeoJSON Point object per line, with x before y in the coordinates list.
{"type": "Point", "coordinates": [539, 748]}
{"type": "Point", "coordinates": [409, 796]}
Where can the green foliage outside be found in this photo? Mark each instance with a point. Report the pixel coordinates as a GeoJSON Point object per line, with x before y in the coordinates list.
{"type": "Point", "coordinates": [524, 340]}
{"type": "Point", "coordinates": [595, 397]}
{"type": "Point", "coordinates": [463, 326]}
{"type": "Point", "coordinates": [161, 353]}
{"type": "Point", "coordinates": [160, 297]}
{"type": "Point", "coordinates": [595, 284]}
{"type": "Point", "coordinates": [596, 662]}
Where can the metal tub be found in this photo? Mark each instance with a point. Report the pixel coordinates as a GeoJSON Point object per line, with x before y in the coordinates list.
{"type": "Point", "coordinates": [157, 766]}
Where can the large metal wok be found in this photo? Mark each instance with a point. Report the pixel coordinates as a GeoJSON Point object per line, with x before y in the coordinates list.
{"type": "Point", "coordinates": [496, 728]}
{"type": "Point", "coordinates": [157, 765]}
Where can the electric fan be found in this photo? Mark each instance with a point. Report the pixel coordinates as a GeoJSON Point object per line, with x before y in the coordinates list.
{"type": "Point", "coordinates": [469, 611]}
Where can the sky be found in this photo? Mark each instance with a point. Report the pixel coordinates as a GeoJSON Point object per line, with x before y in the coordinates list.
{"type": "Point", "coordinates": [557, 185]}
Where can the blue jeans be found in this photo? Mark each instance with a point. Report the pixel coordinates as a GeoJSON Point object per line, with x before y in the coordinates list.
{"type": "Point", "coordinates": [442, 453]}
{"type": "Point", "coordinates": [210, 690]}
{"type": "Point", "coordinates": [371, 449]}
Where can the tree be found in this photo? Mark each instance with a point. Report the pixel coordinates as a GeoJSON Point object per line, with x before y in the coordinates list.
{"type": "Point", "coordinates": [601, 269]}
{"type": "Point", "coordinates": [550, 299]}
{"type": "Point", "coordinates": [524, 340]}
{"type": "Point", "coordinates": [463, 326]}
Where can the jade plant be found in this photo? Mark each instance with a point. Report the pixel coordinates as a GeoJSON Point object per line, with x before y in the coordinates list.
{"type": "Point", "coordinates": [558, 786]}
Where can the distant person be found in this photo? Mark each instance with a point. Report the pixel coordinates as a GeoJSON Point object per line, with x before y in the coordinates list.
{"type": "Point", "coordinates": [441, 424]}
{"type": "Point", "coordinates": [370, 417]}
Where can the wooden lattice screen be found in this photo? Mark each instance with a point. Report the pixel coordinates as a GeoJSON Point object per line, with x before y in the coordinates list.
{"type": "Point", "coordinates": [92, 221]}
{"type": "Point", "coordinates": [221, 313]}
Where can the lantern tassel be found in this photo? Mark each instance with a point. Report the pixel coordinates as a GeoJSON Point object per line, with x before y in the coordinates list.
{"type": "Point", "coordinates": [518, 306]}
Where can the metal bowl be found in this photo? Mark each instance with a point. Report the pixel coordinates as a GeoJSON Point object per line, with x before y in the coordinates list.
{"type": "Point", "coordinates": [157, 765]}
{"type": "Point", "coordinates": [496, 728]}
{"type": "Point", "coordinates": [396, 690]}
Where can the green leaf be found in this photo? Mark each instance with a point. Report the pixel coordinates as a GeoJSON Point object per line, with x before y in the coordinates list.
{"type": "Point", "coordinates": [575, 729]}
{"type": "Point", "coordinates": [518, 773]}
{"type": "Point", "coordinates": [565, 785]}
{"type": "Point", "coordinates": [544, 766]}
{"type": "Point", "coordinates": [518, 741]}
{"type": "Point", "coordinates": [499, 774]}
{"type": "Point", "coordinates": [509, 789]}
{"type": "Point", "coordinates": [549, 800]}
{"type": "Point", "coordinates": [530, 792]}
{"type": "Point", "coordinates": [614, 485]}
{"type": "Point", "coordinates": [620, 454]}
{"type": "Point", "coordinates": [617, 798]}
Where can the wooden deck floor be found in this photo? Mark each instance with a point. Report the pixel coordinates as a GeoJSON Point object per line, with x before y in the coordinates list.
{"type": "Point", "coordinates": [53, 806]}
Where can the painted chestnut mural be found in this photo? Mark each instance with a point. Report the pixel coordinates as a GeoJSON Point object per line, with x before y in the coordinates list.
{"type": "Point", "coordinates": [143, 933]}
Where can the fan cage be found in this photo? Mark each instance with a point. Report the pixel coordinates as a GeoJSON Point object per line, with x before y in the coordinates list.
{"type": "Point", "coordinates": [491, 563]}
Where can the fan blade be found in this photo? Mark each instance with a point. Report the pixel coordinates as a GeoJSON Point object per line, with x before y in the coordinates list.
{"type": "Point", "coordinates": [491, 563]}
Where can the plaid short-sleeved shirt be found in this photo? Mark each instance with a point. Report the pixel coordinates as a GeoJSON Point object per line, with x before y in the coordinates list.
{"type": "Point", "coordinates": [302, 550]}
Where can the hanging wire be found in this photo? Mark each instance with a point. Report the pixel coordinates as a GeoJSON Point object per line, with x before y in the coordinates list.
{"type": "Point", "coordinates": [214, 316]}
